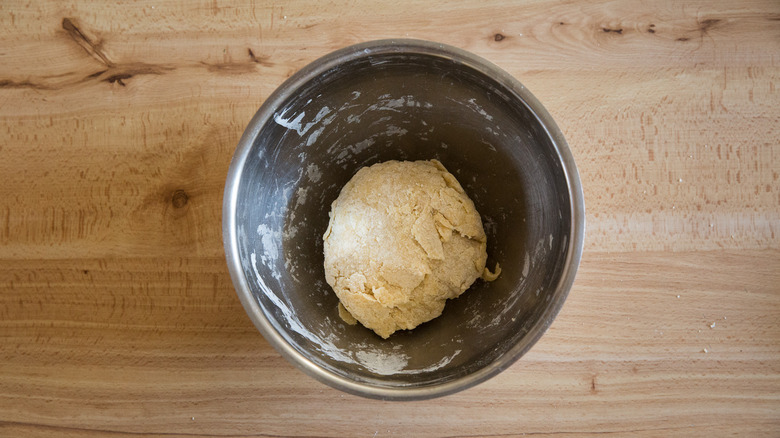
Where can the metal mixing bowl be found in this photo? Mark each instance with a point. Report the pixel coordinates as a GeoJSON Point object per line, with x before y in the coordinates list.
{"type": "Point", "coordinates": [402, 100]}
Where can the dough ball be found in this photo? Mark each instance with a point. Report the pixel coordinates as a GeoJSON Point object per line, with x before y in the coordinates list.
{"type": "Point", "coordinates": [403, 238]}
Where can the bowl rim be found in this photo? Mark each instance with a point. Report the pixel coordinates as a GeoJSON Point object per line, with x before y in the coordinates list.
{"type": "Point", "coordinates": [266, 112]}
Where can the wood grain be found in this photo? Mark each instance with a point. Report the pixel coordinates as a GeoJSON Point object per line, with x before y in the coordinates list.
{"type": "Point", "coordinates": [117, 125]}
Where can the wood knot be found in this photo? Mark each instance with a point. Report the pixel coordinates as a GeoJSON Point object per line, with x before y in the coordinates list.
{"type": "Point", "coordinates": [705, 25]}
{"type": "Point", "coordinates": [118, 78]}
{"type": "Point", "coordinates": [499, 37]}
{"type": "Point", "coordinates": [179, 199]}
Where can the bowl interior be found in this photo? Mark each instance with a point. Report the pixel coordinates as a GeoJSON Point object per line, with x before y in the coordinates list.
{"type": "Point", "coordinates": [403, 106]}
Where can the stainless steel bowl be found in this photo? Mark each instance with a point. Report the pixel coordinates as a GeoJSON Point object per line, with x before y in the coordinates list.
{"type": "Point", "coordinates": [402, 100]}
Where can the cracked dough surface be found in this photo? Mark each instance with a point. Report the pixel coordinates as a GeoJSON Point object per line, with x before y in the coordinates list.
{"type": "Point", "coordinates": [403, 238]}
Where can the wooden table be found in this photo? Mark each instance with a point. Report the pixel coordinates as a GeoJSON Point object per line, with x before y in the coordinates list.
{"type": "Point", "coordinates": [117, 125]}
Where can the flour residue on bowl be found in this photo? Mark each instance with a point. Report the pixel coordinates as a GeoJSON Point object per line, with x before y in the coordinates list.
{"type": "Point", "coordinates": [352, 150]}
{"type": "Point", "coordinates": [313, 172]}
{"type": "Point", "coordinates": [473, 105]}
{"type": "Point", "coordinates": [390, 363]}
{"type": "Point", "coordinates": [539, 251]}
{"type": "Point", "coordinates": [395, 130]}
{"type": "Point", "coordinates": [289, 123]}
{"type": "Point", "coordinates": [301, 196]}
{"type": "Point", "coordinates": [270, 254]}
{"type": "Point", "coordinates": [386, 102]}
{"type": "Point", "coordinates": [381, 363]}
{"type": "Point", "coordinates": [378, 361]}
{"type": "Point", "coordinates": [296, 125]}
{"type": "Point", "coordinates": [526, 264]}
{"type": "Point", "coordinates": [324, 345]}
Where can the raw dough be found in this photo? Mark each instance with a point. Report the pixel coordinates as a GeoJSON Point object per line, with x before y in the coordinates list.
{"type": "Point", "coordinates": [403, 237]}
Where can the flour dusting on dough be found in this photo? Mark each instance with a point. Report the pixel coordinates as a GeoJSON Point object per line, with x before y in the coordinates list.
{"type": "Point", "coordinates": [403, 238]}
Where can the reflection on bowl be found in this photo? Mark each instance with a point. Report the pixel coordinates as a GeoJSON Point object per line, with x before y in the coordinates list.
{"type": "Point", "coordinates": [402, 100]}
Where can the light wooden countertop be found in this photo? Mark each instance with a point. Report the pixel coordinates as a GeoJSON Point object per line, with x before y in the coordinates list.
{"type": "Point", "coordinates": [117, 125]}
